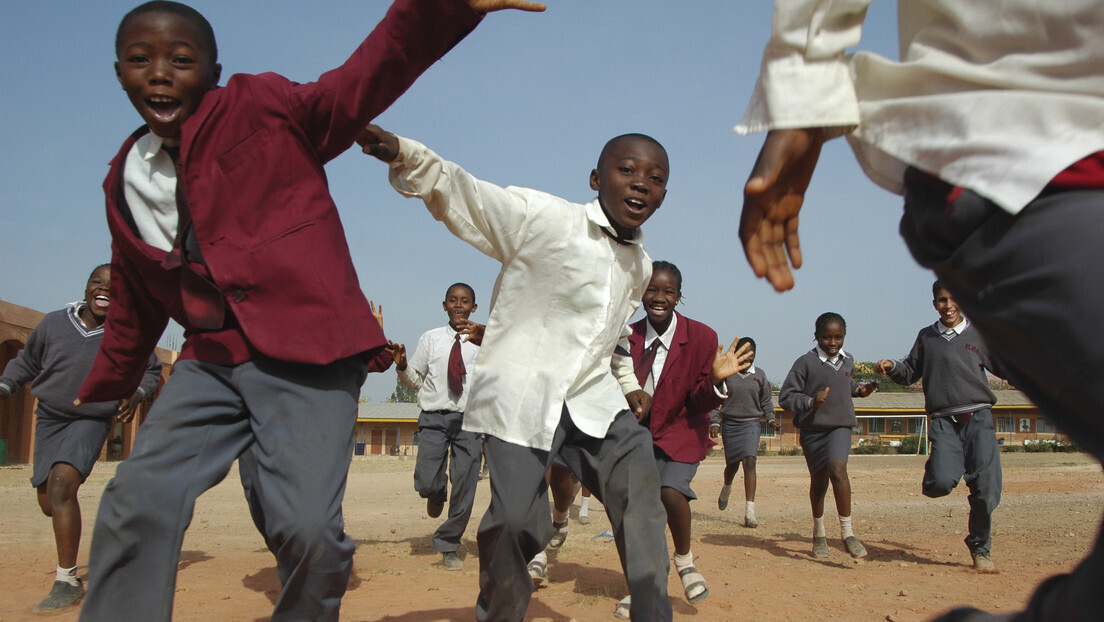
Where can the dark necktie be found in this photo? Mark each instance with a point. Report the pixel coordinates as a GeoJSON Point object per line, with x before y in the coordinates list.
{"type": "Point", "coordinates": [203, 302]}
{"type": "Point", "coordinates": [643, 367]}
{"type": "Point", "coordinates": [456, 369]}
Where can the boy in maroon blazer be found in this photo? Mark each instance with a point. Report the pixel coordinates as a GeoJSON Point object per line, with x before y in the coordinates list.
{"type": "Point", "coordinates": [221, 219]}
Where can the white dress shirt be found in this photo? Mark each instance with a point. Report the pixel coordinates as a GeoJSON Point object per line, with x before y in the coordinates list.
{"type": "Point", "coordinates": [997, 96]}
{"type": "Point", "coordinates": [427, 370]}
{"type": "Point", "coordinates": [660, 360]}
{"type": "Point", "coordinates": [560, 306]}
{"type": "Point", "coordinates": [149, 186]}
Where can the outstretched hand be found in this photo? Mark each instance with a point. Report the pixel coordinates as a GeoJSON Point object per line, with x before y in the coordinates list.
{"type": "Point", "coordinates": [883, 366]}
{"type": "Point", "coordinates": [868, 388]}
{"type": "Point", "coordinates": [379, 143]}
{"type": "Point", "coordinates": [772, 199]}
{"type": "Point", "coordinates": [398, 353]}
{"type": "Point", "coordinates": [472, 331]}
{"type": "Point", "coordinates": [731, 362]}
{"type": "Point", "coordinates": [127, 408]}
{"type": "Point", "coordinates": [488, 6]}
{"type": "Point", "coordinates": [377, 312]}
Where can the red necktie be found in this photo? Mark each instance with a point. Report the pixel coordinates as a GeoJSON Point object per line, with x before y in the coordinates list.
{"type": "Point", "coordinates": [456, 369]}
{"type": "Point", "coordinates": [643, 367]}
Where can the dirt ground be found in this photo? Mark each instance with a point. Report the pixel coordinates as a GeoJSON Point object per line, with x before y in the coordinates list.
{"type": "Point", "coordinates": [917, 567]}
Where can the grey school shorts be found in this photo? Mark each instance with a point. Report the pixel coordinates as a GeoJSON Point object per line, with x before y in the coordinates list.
{"type": "Point", "coordinates": [76, 441]}
{"type": "Point", "coordinates": [675, 475]}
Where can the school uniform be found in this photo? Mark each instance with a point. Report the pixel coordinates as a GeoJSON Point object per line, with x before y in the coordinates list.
{"type": "Point", "coordinates": [257, 258]}
{"type": "Point", "coordinates": [1003, 182]}
{"type": "Point", "coordinates": [749, 397]}
{"type": "Point", "coordinates": [55, 359]}
{"type": "Point", "coordinates": [680, 380]}
{"type": "Point", "coordinates": [952, 362]}
{"type": "Point", "coordinates": [440, 429]}
{"type": "Point", "coordinates": [542, 383]}
{"type": "Point", "coordinates": [825, 431]}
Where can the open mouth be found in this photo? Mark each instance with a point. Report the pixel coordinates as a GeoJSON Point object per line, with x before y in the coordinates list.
{"type": "Point", "coordinates": [164, 109]}
{"type": "Point", "coordinates": [101, 302]}
{"type": "Point", "coordinates": [636, 205]}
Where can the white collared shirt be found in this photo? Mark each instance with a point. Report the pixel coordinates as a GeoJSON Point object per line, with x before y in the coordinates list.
{"type": "Point", "coordinates": [561, 303]}
{"type": "Point", "coordinates": [995, 96]}
{"type": "Point", "coordinates": [427, 370]}
{"type": "Point", "coordinates": [149, 186]}
{"type": "Point", "coordinates": [665, 340]}
{"type": "Point", "coordinates": [941, 328]}
{"type": "Point", "coordinates": [834, 361]}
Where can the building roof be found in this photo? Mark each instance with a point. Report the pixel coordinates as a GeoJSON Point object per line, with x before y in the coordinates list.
{"type": "Point", "coordinates": [914, 401]}
{"type": "Point", "coordinates": [387, 411]}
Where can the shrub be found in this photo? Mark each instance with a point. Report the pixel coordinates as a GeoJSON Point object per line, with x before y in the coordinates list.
{"type": "Point", "coordinates": [872, 447]}
{"type": "Point", "coordinates": [910, 444]}
{"type": "Point", "coordinates": [790, 451]}
{"type": "Point", "coordinates": [1038, 446]}
{"type": "Point", "coordinates": [1010, 449]}
{"type": "Point", "coordinates": [1065, 445]}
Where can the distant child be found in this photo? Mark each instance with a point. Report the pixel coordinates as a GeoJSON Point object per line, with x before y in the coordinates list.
{"type": "Point", "coordinates": [825, 419]}
{"type": "Point", "coordinates": [68, 438]}
{"type": "Point", "coordinates": [951, 357]}
{"type": "Point", "coordinates": [737, 422]}
{"type": "Point", "coordinates": [438, 371]}
{"type": "Point", "coordinates": [572, 276]}
{"type": "Point", "coordinates": [221, 218]}
{"type": "Point", "coordinates": [678, 362]}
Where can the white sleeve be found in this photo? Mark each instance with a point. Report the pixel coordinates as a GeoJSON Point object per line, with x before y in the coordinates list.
{"type": "Point", "coordinates": [417, 365]}
{"type": "Point", "coordinates": [805, 77]}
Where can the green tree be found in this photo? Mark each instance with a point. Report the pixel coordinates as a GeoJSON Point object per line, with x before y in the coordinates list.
{"type": "Point", "coordinates": [402, 395]}
{"type": "Point", "coordinates": [864, 373]}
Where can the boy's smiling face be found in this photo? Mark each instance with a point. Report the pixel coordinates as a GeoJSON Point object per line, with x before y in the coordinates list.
{"type": "Point", "coordinates": [458, 304]}
{"type": "Point", "coordinates": [631, 181]}
{"type": "Point", "coordinates": [165, 70]}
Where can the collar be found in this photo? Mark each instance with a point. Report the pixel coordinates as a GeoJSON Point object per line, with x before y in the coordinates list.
{"type": "Point", "coordinates": [747, 372]}
{"type": "Point", "coordinates": [598, 217]}
{"type": "Point", "coordinates": [149, 145]}
{"type": "Point", "coordinates": [74, 308]}
{"type": "Point", "coordinates": [666, 338]}
{"type": "Point", "coordinates": [823, 356]}
{"type": "Point", "coordinates": [961, 326]}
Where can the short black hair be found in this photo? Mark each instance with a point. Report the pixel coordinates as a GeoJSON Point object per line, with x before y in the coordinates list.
{"type": "Point", "coordinates": [176, 8]}
{"type": "Point", "coordinates": [97, 269]}
{"type": "Point", "coordinates": [825, 319]}
{"type": "Point", "coordinates": [937, 287]}
{"type": "Point", "coordinates": [669, 267]}
{"type": "Point", "coordinates": [460, 284]}
{"type": "Point", "coordinates": [743, 340]}
{"type": "Point", "coordinates": [635, 136]}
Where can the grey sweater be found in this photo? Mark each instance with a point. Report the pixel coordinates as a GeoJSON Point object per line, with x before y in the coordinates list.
{"type": "Point", "coordinates": [953, 371]}
{"type": "Point", "coordinates": [808, 376]}
{"type": "Point", "coordinates": [749, 397]}
{"type": "Point", "coordinates": [57, 356]}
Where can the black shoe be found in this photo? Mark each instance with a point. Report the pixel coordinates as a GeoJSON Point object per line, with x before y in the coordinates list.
{"type": "Point", "coordinates": [451, 561]}
{"type": "Point", "coordinates": [62, 596]}
{"type": "Point", "coordinates": [434, 507]}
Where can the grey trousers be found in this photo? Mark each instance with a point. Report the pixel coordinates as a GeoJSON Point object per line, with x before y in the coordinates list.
{"type": "Point", "coordinates": [621, 472]}
{"type": "Point", "coordinates": [441, 442]}
{"type": "Point", "coordinates": [300, 418]}
{"type": "Point", "coordinates": [1031, 284]}
{"type": "Point", "coordinates": [969, 452]}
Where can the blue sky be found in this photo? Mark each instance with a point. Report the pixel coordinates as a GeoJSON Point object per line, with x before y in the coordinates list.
{"type": "Point", "coordinates": [527, 100]}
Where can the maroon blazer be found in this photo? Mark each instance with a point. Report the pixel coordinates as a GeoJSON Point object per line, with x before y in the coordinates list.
{"type": "Point", "coordinates": [684, 395]}
{"type": "Point", "coordinates": [251, 170]}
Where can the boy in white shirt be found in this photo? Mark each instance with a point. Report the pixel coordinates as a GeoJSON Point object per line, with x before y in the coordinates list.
{"type": "Point", "coordinates": [572, 276]}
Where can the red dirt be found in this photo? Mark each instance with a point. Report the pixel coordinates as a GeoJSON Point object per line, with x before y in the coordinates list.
{"type": "Point", "coordinates": [917, 567]}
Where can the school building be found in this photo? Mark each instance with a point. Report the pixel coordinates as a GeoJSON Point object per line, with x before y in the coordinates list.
{"type": "Point", "coordinates": [17, 429]}
{"type": "Point", "coordinates": [890, 417]}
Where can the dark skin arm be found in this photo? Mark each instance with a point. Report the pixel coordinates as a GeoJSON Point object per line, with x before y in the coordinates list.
{"type": "Point", "coordinates": [773, 197]}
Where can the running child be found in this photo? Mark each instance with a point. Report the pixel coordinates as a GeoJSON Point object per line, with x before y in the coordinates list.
{"type": "Point", "coordinates": [737, 422]}
{"type": "Point", "coordinates": [68, 438]}
{"type": "Point", "coordinates": [677, 361]}
{"type": "Point", "coordinates": [572, 276]}
{"type": "Point", "coordinates": [438, 372]}
{"type": "Point", "coordinates": [221, 218]}
{"type": "Point", "coordinates": [951, 357]}
{"type": "Point", "coordinates": [825, 419]}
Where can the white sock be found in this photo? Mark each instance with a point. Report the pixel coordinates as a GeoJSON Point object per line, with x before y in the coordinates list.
{"type": "Point", "coordinates": [558, 516]}
{"type": "Point", "coordinates": [584, 505]}
{"type": "Point", "coordinates": [682, 561]}
{"type": "Point", "coordinates": [68, 575]}
{"type": "Point", "coordinates": [749, 508]}
{"type": "Point", "coordinates": [818, 527]}
{"type": "Point", "coordinates": [845, 527]}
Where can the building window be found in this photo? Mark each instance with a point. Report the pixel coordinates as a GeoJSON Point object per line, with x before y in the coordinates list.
{"type": "Point", "coordinates": [895, 426]}
{"type": "Point", "coordinates": [1004, 425]}
{"type": "Point", "coordinates": [914, 426]}
{"type": "Point", "coordinates": [877, 426]}
{"type": "Point", "coordinates": [1044, 426]}
{"type": "Point", "coordinates": [1025, 425]}
{"type": "Point", "coordinates": [767, 430]}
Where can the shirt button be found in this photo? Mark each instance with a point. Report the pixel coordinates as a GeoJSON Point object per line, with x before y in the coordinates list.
{"type": "Point", "coordinates": [238, 295]}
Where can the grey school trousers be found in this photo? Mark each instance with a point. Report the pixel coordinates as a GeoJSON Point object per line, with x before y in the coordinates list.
{"type": "Point", "coordinates": [300, 419]}
{"type": "Point", "coordinates": [968, 452]}
{"type": "Point", "coordinates": [621, 472]}
{"type": "Point", "coordinates": [441, 442]}
{"type": "Point", "coordinates": [1031, 284]}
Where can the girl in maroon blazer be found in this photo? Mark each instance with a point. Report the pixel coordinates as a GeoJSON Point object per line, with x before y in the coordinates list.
{"type": "Point", "coordinates": [677, 362]}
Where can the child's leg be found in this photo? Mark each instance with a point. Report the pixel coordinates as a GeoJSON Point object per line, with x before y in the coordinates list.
{"type": "Point", "coordinates": [984, 479]}
{"type": "Point", "coordinates": [947, 460]}
{"type": "Point", "coordinates": [618, 469]}
{"type": "Point", "coordinates": [514, 529]}
{"type": "Point", "coordinates": [841, 487]}
{"type": "Point", "coordinates": [818, 489]}
{"type": "Point", "coordinates": [466, 458]}
{"type": "Point", "coordinates": [194, 432]}
{"type": "Point", "coordinates": [61, 494]}
{"type": "Point", "coordinates": [677, 507]}
{"type": "Point", "coordinates": [749, 478]}
{"type": "Point", "coordinates": [430, 479]}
